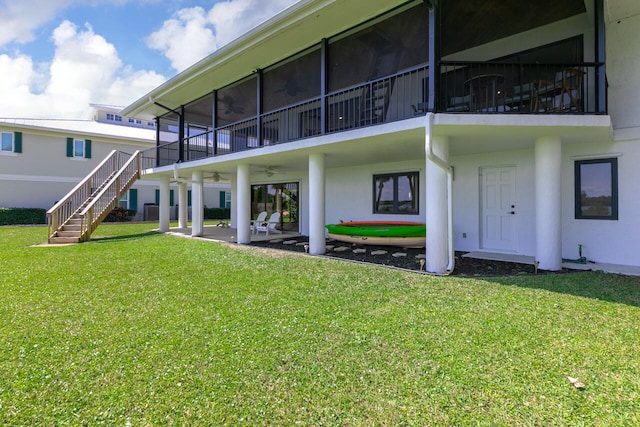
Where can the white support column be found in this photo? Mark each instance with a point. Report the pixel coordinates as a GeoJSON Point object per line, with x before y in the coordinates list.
{"type": "Point", "coordinates": [183, 201]}
{"type": "Point", "coordinates": [437, 214]}
{"type": "Point", "coordinates": [164, 214]}
{"type": "Point", "coordinates": [197, 204]}
{"type": "Point", "coordinates": [243, 210]}
{"type": "Point", "coordinates": [317, 242]}
{"type": "Point", "coordinates": [548, 169]}
{"type": "Point", "coordinates": [234, 202]}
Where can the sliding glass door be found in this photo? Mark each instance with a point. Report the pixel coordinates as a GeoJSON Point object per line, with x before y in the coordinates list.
{"type": "Point", "coordinates": [281, 197]}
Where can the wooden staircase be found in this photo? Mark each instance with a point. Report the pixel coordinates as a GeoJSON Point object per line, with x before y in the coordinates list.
{"type": "Point", "coordinates": [377, 94]}
{"type": "Point", "coordinates": [78, 214]}
{"type": "Point", "coordinates": [376, 101]}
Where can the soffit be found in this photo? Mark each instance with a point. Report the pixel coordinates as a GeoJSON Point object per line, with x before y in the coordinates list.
{"type": "Point", "coordinates": [617, 10]}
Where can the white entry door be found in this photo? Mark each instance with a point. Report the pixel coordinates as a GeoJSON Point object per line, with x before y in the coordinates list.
{"type": "Point", "coordinates": [498, 208]}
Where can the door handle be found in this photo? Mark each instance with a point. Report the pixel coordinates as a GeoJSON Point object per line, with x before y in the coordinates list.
{"type": "Point", "coordinates": [512, 212]}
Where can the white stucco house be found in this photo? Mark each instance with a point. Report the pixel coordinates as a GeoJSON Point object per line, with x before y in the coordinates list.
{"type": "Point", "coordinates": [506, 126]}
{"type": "Point", "coordinates": [42, 159]}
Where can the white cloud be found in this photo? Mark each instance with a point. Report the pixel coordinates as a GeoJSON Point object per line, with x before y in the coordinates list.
{"type": "Point", "coordinates": [232, 18]}
{"type": "Point", "coordinates": [184, 39]}
{"type": "Point", "coordinates": [85, 69]}
{"type": "Point", "coordinates": [192, 34]}
{"type": "Point", "coordinates": [21, 17]}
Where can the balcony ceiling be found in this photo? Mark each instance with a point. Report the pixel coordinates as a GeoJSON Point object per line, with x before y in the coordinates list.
{"type": "Point", "coordinates": [617, 10]}
{"type": "Point", "coordinates": [470, 23]}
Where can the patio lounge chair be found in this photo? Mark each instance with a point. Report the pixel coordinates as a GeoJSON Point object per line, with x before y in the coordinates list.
{"type": "Point", "coordinates": [262, 216]}
{"type": "Point", "coordinates": [269, 226]}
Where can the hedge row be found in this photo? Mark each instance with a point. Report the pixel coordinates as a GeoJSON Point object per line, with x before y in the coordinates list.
{"type": "Point", "coordinates": [217, 213]}
{"type": "Point", "coordinates": [20, 216]}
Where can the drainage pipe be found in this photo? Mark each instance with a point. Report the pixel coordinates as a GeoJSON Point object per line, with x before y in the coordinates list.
{"type": "Point", "coordinates": [177, 178]}
{"type": "Point", "coordinates": [449, 171]}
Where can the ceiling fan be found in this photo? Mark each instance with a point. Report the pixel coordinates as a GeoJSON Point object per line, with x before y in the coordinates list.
{"type": "Point", "coordinates": [230, 108]}
{"type": "Point", "coordinates": [291, 88]}
{"type": "Point", "coordinates": [269, 171]}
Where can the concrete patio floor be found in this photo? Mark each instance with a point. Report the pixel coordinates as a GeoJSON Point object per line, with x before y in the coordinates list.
{"type": "Point", "coordinates": [228, 234]}
{"type": "Point", "coordinates": [627, 270]}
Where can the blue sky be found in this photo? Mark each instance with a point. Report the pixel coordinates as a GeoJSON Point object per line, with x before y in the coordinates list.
{"type": "Point", "coordinates": [58, 56]}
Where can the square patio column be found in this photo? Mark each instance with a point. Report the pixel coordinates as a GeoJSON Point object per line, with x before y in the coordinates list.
{"type": "Point", "coordinates": [164, 208]}
{"type": "Point", "coordinates": [317, 242]}
{"type": "Point", "coordinates": [183, 208]}
{"type": "Point", "coordinates": [243, 210]}
{"type": "Point", "coordinates": [548, 169]}
{"type": "Point", "coordinates": [197, 204]}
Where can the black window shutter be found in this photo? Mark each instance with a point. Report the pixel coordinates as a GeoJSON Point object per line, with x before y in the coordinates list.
{"type": "Point", "coordinates": [133, 199]}
{"type": "Point", "coordinates": [69, 147]}
{"type": "Point", "coordinates": [87, 148]}
{"type": "Point", "coordinates": [17, 142]}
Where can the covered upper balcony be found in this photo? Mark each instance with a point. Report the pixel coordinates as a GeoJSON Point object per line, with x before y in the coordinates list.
{"type": "Point", "coordinates": [461, 57]}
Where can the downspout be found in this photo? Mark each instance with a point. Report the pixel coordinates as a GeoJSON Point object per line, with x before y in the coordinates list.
{"type": "Point", "coordinates": [177, 178]}
{"type": "Point", "coordinates": [447, 168]}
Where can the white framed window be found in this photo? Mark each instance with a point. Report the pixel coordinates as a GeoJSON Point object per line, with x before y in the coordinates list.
{"type": "Point", "coordinates": [396, 193]}
{"type": "Point", "coordinates": [78, 148]}
{"type": "Point", "coordinates": [124, 201]}
{"type": "Point", "coordinates": [10, 143]}
{"type": "Point", "coordinates": [110, 116]}
{"type": "Point", "coordinates": [596, 189]}
{"type": "Point", "coordinates": [7, 142]}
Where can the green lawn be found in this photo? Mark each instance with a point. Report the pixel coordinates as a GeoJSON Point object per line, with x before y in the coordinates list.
{"type": "Point", "coordinates": [143, 329]}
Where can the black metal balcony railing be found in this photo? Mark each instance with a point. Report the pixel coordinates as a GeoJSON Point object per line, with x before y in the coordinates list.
{"type": "Point", "coordinates": [518, 88]}
{"type": "Point", "coordinates": [464, 87]}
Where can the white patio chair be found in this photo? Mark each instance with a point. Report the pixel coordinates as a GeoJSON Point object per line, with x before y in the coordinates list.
{"type": "Point", "coordinates": [262, 216]}
{"type": "Point", "coordinates": [269, 226]}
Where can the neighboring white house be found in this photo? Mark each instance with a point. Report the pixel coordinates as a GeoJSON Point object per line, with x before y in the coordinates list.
{"type": "Point", "coordinates": [505, 126]}
{"type": "Point", "coordinates": [42, 159]}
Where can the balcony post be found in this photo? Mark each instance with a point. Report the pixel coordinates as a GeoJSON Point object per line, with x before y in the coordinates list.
{"type": "Point", "coordinates": [214, 122]}
{"type": "Point", "coordinates": [601, 84]}
{"type": "Point", "coordinates": [323, 86]}
{"type": "Point", "coordinates": [259, 108]}
{"type": "Point", "coordinates": [181, 156]}
{"type": "Point", "coordinates": [434, 54]}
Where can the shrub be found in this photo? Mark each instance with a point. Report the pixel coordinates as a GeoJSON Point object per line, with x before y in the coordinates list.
{"type": "Point", "coordinates": [217, 213]}
{"type": "Point", "coordinates": [120, 214]}
{"type": "Point", "coordinates": [19, 216]}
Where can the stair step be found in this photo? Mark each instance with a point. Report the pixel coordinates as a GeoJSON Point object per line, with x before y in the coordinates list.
{"type": "Point", "coordinates": [74, 228]}
{"type": "Point", "coordinates": [65, 233]}
{"type": "Point", "coordinates": [63, 240]}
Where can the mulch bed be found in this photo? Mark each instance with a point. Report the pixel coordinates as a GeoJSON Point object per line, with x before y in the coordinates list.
{"type": "Point", "coordinates": [404, 258]}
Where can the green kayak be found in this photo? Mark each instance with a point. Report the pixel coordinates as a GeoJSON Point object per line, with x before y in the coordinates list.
{"type": "Point", "coordinates": [378, 228]}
